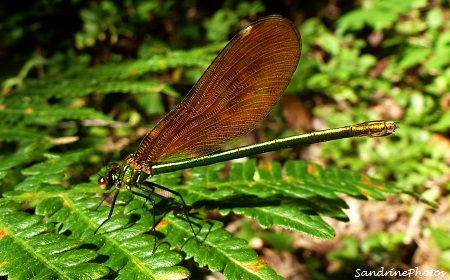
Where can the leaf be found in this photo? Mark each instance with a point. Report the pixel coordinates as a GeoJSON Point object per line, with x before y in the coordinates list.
{"type": "Point", "coordinates": [27, 239]}
{"type": "Point", "coordinates": [378, 15]}
{"type": "Point", "coordinates": [26, 154]}
{"type": "Point", "coordinates": [413, 56]}
{"type": "Point", "coordinates": [44, 114]}
{"type": "Point", "coordinates": [129, 251]}
{"type": "Point", "coordinates": [10, 134]}
{"type": "Point", "coordinates": [443, 123]}
{"type": "Point", "coordinates": [295, 202]}
{"type": "Point", "coordinates": [219, 250]}
{"type": "Point", "coordinates": [47, 172]}
{"type": "Point", "coordinates": [116, 77]}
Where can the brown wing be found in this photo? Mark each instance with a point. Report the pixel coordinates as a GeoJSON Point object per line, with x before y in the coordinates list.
{"type": "Point", "coordinates": [237, 90]}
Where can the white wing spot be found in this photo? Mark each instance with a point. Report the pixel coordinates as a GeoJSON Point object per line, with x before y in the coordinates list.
{"type": "Point", "coordinates": [247, 30]}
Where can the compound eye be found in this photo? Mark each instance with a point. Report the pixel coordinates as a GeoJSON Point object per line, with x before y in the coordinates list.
{"type": "Point", "coordinates": [102, 182]}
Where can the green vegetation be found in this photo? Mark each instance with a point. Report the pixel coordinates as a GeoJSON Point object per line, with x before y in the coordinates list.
{"type": "Point", "coordinates": [83, 81]}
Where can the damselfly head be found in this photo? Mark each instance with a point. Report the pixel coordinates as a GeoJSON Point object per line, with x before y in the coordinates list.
{"type": "Point", "coordinates": [110, 178]}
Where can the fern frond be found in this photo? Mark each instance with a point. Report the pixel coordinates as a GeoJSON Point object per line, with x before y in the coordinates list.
{"type": "Point", "coordinates": [27, 239]}
{"type": "Point", "coordinates": [295, 199]}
